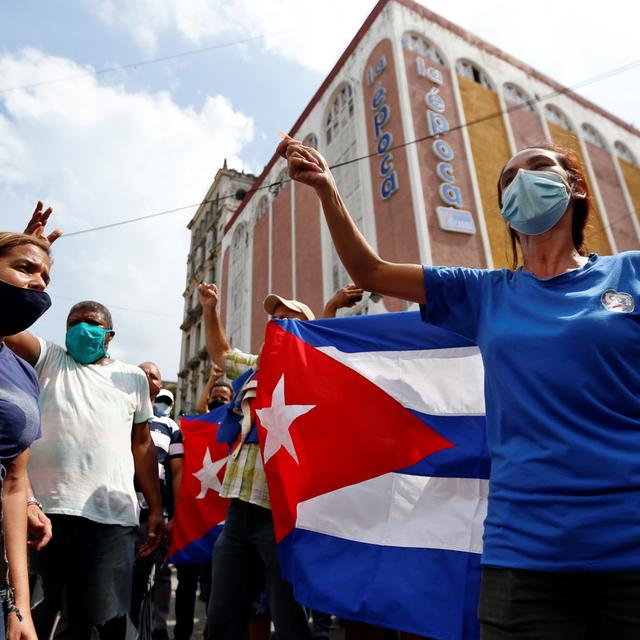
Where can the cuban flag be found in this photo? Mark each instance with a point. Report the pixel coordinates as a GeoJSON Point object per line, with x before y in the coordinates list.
{"type": "Point", "coordinates": [373, 437]}
{"type": "Point", "coordinates": [200, 511]}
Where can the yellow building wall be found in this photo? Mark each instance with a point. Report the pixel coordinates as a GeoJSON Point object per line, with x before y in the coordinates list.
{"type": "Point", "coordinates": [595, 235]}
{"type": "Point", "coordinates": [631, 175]}
{"type": "Point", "coordinates": [491, 151]}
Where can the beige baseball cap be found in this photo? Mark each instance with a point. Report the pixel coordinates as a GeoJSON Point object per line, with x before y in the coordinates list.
{"type": "Point", "coordinates": [272, 301]}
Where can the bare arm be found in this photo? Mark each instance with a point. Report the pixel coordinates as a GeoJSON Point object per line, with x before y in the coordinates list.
{"type": "Point", "coordinates": [202, 406]}
{"type": "Point", "coordinates": [176, 465]}
{"type": "Point", "coordinates": [25, 345]}
{"type": "Point", "coordinates": [217, 344]}
{"type": "Point", "coordinates": [14, 509]}
{"type": "Point", "coordinates": [368, 270]}
{"type": "Point", "coordinates": [146, 469]}
{"type": "Point", "coordinates": [346, 296]}
{"type": "Point", "coordinates": [38, 524]}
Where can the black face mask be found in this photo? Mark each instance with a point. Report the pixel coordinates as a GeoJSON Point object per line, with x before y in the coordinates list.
{"type": "Point", "coordinates": [214, 404]}
{"type": "Point", "coordinates": [20, 307]}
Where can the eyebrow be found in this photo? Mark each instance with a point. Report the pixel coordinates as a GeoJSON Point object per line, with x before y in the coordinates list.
{"type": "Point", "coordinates": [34, 266]}
{"type": "Point", "coordinates": [532, 160]}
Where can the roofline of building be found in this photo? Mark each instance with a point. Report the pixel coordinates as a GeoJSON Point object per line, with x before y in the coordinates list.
{"type": "Point", "coordinates": [220, 173]}
{"type": "Point", "coordinates": [450, 26]}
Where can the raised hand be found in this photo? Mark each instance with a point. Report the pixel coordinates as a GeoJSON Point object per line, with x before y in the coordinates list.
{"type": "Point", "coordinates": [347, 296]}
{"type": "Point", "coordinates": [37, 225]}
{"type": "Point", "coordinates": [305, 164]}
{"type": "Point", "coordinates": [208, 294]}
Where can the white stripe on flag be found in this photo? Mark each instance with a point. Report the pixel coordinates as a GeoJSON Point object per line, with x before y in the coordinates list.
{"type": "Point", "coordinates": [438, 382]}
{"type": "Point", "coordinates": [403, 510]}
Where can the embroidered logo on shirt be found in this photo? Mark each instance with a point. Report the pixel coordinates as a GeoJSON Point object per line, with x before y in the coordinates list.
{"type": "Point", "coordinates": [617, 301]}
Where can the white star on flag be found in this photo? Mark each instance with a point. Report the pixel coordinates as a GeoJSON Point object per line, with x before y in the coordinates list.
{"type": "Point", "coordinates": [208, 475]}
{"type": "Point", "coordinates": [277, 420]}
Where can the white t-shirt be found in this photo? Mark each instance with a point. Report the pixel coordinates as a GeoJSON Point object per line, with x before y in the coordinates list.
{"type": "Point", "coordinates": [83, 465]}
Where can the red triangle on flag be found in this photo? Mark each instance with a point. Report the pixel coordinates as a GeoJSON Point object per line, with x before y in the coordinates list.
{"type": "Point", "coordinates": [354, 431]}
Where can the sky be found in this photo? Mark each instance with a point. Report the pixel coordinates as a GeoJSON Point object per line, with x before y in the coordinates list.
{"type": "Point", "coordinates": [106, 147]}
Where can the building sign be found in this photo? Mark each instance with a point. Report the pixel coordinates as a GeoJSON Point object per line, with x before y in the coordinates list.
{"type": "Point", "coordinates": [451, 217]}
{"type": "Point", "coordinates": [383, 139]}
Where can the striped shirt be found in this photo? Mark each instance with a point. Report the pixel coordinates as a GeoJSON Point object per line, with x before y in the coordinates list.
{"type": "Point", "coordinates": [167, 438]}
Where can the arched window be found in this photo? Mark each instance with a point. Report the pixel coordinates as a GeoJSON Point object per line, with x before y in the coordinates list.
{"type": "Point", "coordinates": [624, 153]}
{"type": "Point", "coordinates": [591, 135]}
{"type": "Point", "coordinates": [339, 114]}
{"type": "Point", "coordinates": [415, 42]}
{"type": "Point", "coordinates": [554, 115]}
{"type": "Point", "coordinates": [237, 285]}
{"type": "Point", "coordinates": [310, 140]}
{"type": "Point", "coordinates": [468, 70]}
{"type": "Point", "coordinates": [514, 95]}
{"type": "Point", "coordinates": [262, 208]}
{"type": "Point", "coordinates": [279, 183]}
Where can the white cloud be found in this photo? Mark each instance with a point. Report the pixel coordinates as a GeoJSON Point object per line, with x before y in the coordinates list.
{"type": "Point", "coordinates": [313, 36]}
{"type": "Point", "coordinates": [100, 154]}
{"type": "Point", "coordinates": [568, 41]}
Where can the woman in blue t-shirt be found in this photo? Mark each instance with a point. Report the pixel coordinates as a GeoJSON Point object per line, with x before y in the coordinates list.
{"type": "Point", "coordinates": [24, 275]}
{"type": "Point", "coordinates": [560, 342]}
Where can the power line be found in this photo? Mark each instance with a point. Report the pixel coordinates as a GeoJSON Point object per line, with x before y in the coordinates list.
{"type": "Point", "coordinates": [470, 123]}
{"type": "Point", "coordinates": [174, 316]}
{"type": "Point", "coordinates": [142, 63]}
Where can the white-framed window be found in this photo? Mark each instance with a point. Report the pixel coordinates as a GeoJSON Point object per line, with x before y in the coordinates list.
{"type": "Point", "coordinates": [554, 115]}
{"type": "Point", "coordinates": [415, 42]}
{"type": "Point", "coordinates": [593, 136]}
{"type": "Point", "coordinates": [469, 70]}
{"type": "Point", "coordinates": [262, 208]}
{"type": "Point", "coordinates": [310, 140]}
{"type": "Point", "coordinates": [340, 113]}
{"type": "Point", "coordinates": [624, 153]}
{"type": "Point", "coordinates": [515, 95]}
{"type": "Point", "coordinates": [237, 285]}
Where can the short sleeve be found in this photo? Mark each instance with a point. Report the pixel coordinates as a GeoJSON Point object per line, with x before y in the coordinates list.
{"type": "Point", "coordinates": [176, 447]}
{"type": "Point", "coordinates": [454, 298]}
{"type": "Point", "coordinates": [48, 350]}
{"type": "Point", "coordinates": [144, 409]}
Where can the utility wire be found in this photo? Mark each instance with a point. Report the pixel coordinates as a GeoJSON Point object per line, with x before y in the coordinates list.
{"type": "Point", "coordinates": [142, 63]}
{"type": "Point", "coordinates": [470, 123]}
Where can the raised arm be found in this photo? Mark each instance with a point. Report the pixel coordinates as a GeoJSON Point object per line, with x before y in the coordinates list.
{"type": "Point", "coordinates": [346, 296]}
{"type": "Point", "coordinates": [367, 269]}
{"type": "Point", "coordinates": [217, 344]}
{"type": "Point", "coordinates": [203, 400]}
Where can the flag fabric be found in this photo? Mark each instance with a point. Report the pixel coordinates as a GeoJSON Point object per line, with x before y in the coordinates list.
{"type": "Point", "coordinates": [373, 437]}
{"type": "Point", "coordinates": [200, 510]}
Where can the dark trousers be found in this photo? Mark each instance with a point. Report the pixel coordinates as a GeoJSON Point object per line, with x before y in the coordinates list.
{"type": "Point", "coordinates": [92, 563]}
{"type": "Point", "coordinates": [186, 599]}
{"type": "Point", "coordinates": [248, 535]}
{"type": "Point", "coordinates": [535, 605]}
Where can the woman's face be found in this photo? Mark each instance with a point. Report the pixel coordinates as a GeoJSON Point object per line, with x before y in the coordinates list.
{"type": "Point", "coordinates": [532, 160]}
{"type": "Point", "coordinates": [26, 266]}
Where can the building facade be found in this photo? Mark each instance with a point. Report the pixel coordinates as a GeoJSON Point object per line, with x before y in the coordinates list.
{"type": "Point", "coordinates": [432, 113]}
{"type": "Point", "coordinates": [228, 191]}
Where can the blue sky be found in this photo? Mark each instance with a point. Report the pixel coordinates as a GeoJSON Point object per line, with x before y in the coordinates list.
{"type": "Point", "coordinates": [119, 145]}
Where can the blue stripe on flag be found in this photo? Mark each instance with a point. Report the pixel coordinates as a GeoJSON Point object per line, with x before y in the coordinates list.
{"type": "Point", "coordinates": [445, 612]}
{"type": "Point", "coordinates": [384, 332]}
{"type": "Point", "coordinates": [199, 551]}
{"type": "Point", "coordinates": [468, 458]}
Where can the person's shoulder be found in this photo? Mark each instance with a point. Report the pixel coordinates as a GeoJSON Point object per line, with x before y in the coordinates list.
{"type": "Point", "coordinates": [13, 363]}
{"type": "Point", "coordinates": [625, 257]}
{"type": "Point", "coordinates": [132, 369]}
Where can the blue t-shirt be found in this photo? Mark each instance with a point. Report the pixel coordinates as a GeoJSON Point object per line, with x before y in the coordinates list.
{"type": "Point", "coordinates": [562, 392]}
{"type": "Point", "coordinates": [19, 411]}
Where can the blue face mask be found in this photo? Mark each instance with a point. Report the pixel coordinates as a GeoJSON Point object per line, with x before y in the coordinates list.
{"type": "Point", "coordinates": [161, 409]}
{"type": "Point", "coordinates": [86, 342]}
{"type": "Point", "coordinates": [535, 201]}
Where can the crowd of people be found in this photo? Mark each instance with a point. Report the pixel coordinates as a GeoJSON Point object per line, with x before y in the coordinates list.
{"type": "Point", "coordinates": [92, 460]}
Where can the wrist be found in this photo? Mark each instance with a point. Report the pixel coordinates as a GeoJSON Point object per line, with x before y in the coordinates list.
{"type": "Point", "coordinates": [32, 501]}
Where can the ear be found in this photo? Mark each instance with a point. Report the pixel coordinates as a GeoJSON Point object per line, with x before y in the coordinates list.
{"type": "Point", "coordinates": [579, 189]}
{"type": "Point", "coordinates": [109, 337]}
